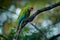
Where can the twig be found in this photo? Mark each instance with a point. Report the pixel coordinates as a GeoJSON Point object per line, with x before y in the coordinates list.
{"type": "Point", "coordinates": [54, 37]}
{"type": "Point", "coordinates": [39, 31]}
{"type": "Point", "coordinates": [3, 8]}
{"type": "Point", "coordinates": [4, 37]}
{"type": "Point", "coordinates": [6, 9]}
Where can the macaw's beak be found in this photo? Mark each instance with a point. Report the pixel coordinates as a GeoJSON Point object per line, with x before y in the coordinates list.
{"type": "Point", "coordinates": [31, 9]}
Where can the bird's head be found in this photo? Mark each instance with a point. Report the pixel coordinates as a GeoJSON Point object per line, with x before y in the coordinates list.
{"type": "Point", "coordinates": [30, 9]}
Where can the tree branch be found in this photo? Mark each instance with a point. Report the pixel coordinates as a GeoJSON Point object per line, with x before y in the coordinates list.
{"type": "Point", "coordinates": [25, 21]}
{"type": "Point", "coordinates": [4, 37]}
{"type": "Point", "coordinates": [54, 37]}
{"type": "Point", "coordinates": [39, 31]}
{"type": "Point", "coordinates": [6, 9]}
{"type": "Point", "coordinates": [3, 8]}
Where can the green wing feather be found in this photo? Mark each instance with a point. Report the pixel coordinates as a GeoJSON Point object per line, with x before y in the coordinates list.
{"type": "Point", "coordinates": [23, 14]}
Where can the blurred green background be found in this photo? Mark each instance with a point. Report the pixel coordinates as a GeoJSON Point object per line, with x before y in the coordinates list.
{"type": "Point", "coordinates": [48, 22]}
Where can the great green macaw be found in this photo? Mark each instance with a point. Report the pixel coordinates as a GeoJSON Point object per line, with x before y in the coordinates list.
{"type": "Point", "coordinates": [25, 13]}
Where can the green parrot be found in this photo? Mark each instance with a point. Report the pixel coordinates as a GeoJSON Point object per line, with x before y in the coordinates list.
{"type": "Point", "coordinates": [25, 13]}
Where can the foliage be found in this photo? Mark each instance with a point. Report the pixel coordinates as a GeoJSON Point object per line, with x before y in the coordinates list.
{"type": "Point", "coordinates": [5, 4]}
{"type": "Point", "coordinates": [53, 15]}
